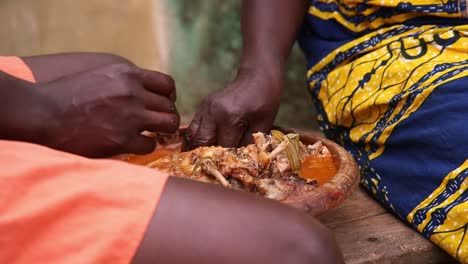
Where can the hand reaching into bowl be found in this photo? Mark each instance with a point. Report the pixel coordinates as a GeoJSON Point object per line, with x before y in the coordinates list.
{"type": "Point", "coordinates": [250, 103]}
{"type": "Point", "coordinates": [230, 116]}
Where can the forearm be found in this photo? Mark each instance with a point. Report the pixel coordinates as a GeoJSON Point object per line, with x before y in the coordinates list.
{"type": "Point", "coordinates": [22, 108]}
{"type": "Point", "coordinates": [201, 223]}
{"type": "Point", "coordinates": [269, 29]}
{"type": "Point", "coordinates": [47, 68]}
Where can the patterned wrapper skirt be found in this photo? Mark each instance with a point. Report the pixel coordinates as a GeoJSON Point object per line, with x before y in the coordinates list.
{"type": "Point", "coordinates": [390, 83]}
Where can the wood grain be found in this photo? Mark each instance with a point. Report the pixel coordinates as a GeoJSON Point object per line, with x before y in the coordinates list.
{"type": "Point", "coordinates": [368, 234]}
{"type": "Point", "coordinates": [338, 188]}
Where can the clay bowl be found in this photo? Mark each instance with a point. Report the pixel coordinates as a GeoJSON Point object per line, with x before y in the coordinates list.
{"type": "Point", "coordinates": [319, 200]}
{"type": "Point", "coordinates": [338, 188]}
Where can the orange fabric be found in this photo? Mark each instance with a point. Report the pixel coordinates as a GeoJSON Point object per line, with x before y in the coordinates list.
{"type": "Point", "coordinates": [61, 208]}
{"type": "Point", "coordinates": [16, 67]}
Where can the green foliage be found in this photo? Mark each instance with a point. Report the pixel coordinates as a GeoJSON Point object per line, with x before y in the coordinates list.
{"type": "Point", "coordinates": [206, 50]}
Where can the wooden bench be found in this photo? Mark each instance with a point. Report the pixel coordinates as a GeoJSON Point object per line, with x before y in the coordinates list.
{"type": "Point", "coordinates": [368, 234]}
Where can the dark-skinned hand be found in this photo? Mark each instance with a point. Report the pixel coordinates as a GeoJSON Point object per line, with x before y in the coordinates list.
{"type": "Point", "coordinates": [229, 117]}
{"type": "Point", "coordinates": [101, 112]}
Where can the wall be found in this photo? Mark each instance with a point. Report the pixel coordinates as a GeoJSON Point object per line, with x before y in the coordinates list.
{"type": "Point", "coordinates": [197, 41]}
{"type": "Point", "coordinates": [125, 27]}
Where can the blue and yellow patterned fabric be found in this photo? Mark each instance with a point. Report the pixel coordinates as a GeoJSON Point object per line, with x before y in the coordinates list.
{"type": "Point", "coordinates": [389, 79]}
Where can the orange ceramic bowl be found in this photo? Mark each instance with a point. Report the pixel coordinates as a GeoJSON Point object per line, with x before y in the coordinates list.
{"type": "Point", "coordinates": [327, 195]}
{"type": "Point", "coordinates": [337, 188]}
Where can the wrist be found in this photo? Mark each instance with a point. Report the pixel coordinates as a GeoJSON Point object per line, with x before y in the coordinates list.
{"type": "Point", "coordinates": [263, 70]}
{"type": "Point", "coordinates": [43, 121]}
{"type": "Point", "coordinates": [33, 117]}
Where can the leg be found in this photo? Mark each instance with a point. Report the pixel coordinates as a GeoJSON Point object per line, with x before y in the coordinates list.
{"type": "Point", "coordinates": [48, 68]}
{"type": "Point", "coordinates": [200, 223]}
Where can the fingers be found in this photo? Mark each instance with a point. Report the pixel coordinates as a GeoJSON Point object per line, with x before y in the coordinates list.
{"type": "Point", "coordinates": [261, 127]}
{"type": "Point", "coordinates": [201, 132]}
{"type": "Point", "coordinates": [160, 93]}
{"type": "Point", "coordinates": [152, 121]}
{"type": "Point", "coordinates": [156, 102]}
{"type": "Point", "coordinates": [158, 83]}
{"type": "Point", "coordinates": [190, 133]}
{"type": "Point", "coordinates": [141, 145]}
{"type": "Point", "coordinates": [230, 135]}
{"type": "Point", "coordinates": [160, 122]}
{"type": "Point", "coordinates": [153, 81]}
{"type": "Point", "coordinates": [206, 133]}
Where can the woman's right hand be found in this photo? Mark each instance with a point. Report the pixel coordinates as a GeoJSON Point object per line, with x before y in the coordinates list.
{"type": "Point", "coordinates": [250, 103]}
{"type": "Point", "coordinates": [229, 116]}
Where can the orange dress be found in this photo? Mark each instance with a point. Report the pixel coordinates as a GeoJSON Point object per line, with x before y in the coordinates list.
{"type": "Point", "coordinates": [57, 207]}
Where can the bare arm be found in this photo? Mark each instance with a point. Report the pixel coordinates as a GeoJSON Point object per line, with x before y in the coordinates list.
{"type": "Point", "coordinates": [250, 103]}
{"type": "Point", "coordinates": [202, 223]}
{"type": "Point", "coordinates": [24, 111]}
{"type": "Point", "coordinates": [269, 29]}
{"type": "Point", "coordinates": [88, 104]}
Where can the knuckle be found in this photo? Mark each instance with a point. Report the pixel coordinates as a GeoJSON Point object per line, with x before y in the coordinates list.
{"type": "Point", "coordinates": [235, 117]}
{"type": "Point", "coordinates": [239, 123]}
{"type": "Point", "coordinates": [217, 107]}
{"type": "Point", "coordinates": [118, 67]}
{"type": "Point", "coordinates": [128, 88]}
{"type": "Point", "coordinates": [123, 70]}
{"type": "Point", "coordinates": [124, 90]}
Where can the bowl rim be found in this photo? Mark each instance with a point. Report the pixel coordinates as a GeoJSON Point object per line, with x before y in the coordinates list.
{"type": "Point", "coordinates": [338, 188]}
{"type": "Point", "coordinates": [330, 194]}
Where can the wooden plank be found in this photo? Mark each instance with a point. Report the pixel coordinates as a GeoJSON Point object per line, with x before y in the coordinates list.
{"type": "Point", "coordinates": [358, 206]}
{"type": "Point", "coordinates": [368, 234]}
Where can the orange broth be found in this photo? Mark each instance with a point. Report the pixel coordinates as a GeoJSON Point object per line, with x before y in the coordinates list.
{"type": "Point", "coordinates": [158, 153]}
{"type": "Point", "coordinates": [321, 169]}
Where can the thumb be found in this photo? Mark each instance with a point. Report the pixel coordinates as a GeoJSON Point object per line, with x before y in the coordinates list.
{"type": "Point", "coordinates": [201, 132]}
{"type": "Point", "coordinates": [230, 134]}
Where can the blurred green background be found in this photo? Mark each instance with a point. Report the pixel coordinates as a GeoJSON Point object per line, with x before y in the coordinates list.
{"type": "Point", "coordinates": [196, 41]}
{"type": "Point", "coordinates": [206, 53]}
